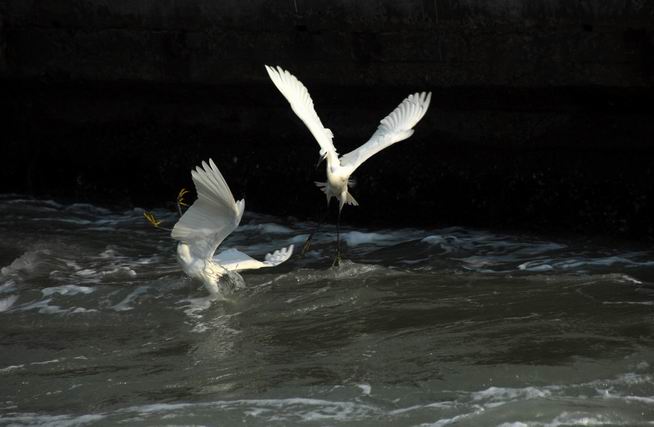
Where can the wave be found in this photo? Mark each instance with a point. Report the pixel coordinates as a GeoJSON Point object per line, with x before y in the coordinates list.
{"type": "Point", "coordinates": [608, 402]}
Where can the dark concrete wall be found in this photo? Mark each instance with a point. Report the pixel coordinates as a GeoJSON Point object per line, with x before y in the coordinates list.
{"type": "Point", "coordinates": [542, 115]}
{"type": "Point", "coordinates": [346, 42]}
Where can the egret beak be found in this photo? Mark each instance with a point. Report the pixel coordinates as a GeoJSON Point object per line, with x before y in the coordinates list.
{"type": "Point", "coordinates": [322, 158]}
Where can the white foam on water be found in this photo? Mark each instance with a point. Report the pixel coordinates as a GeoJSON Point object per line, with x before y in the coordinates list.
{"type": "Point", "coordinates": [119, 272]}
{"type": "Point", "coordinates": [493, 245]}
{"type": "Point", "coordinates": [607, 390]}
{"type": "Point", "coordinates": [486, 252]}
{"type": "Point", "coordinates": [124, 305]}
{"type": "Point", "coordinates": [268, 228]}
{"type": "Point", "coordinates": [46, 362]}
{"type": "Point", "coordinates": [29, 261]}
{"type": "Point", "coordinates": [630, 378]}
{"type": "Point", "coordinates": [7, 303]}
{"type": "Point", "coordinates": [200, 328]}
{"type": "Point", "coordinates": [67, 290]}
{"type": "Point", "coordinates": [196, 306]}
{"type": "Point", "coordinates": [106, 228]}
{"type": "Point", "coordinates": [100, 262]}
{"type": "Point", "coordinates": [479, 262]}
{"type": "Point", "coordinates": [607, 261]}
{"type": "Point", "coordinates": [447, 243]}
{"type": "Point", "coordinates": [356, 238]}
{"type": "Point", "coordinates": [571, 419]}
{"type": "Point", "coordinates": [6, 405]}
{"type": "Point", "coordinates": [78, 310]}
{"type": "Point", "coordinates": [49, 203]}
{"type": "Point", "coordinates": [11, 368]}
{"type": "Point", "coordinates": [108, 253]}
{"type": "Point", "coordinates": [154, 259]}
{"type": "Point", "coordinates": [42, 307]}
{"type": "Point", "coordinates": [275, 229]}
{"type": "Point", "coordinates": [537, 266]}
{"type": "Point", "coordinates": [455, 419]}
{"type": "Point", "coordinates": [365, 388]}
{"type": "Point", "coordinates": [630, 279]}
{"type": "Point", "coordinates": [577, 264]}
{"type": "Point", "coordinates": [86, 272]}
{"type": "Point", "coordinates": [347, 270]}
{"type": "Point", "coordinates": [8, 286]}
{"type": "Point", "coordinates": [643, 399]}
{"type": "Point", "coordinates": [72, 264]}
{"type": "Point", "coordinates": [313, 254]}
{"type": "Point", "coordinates": [278, 410]}
{"type": "Point", "coordinates": [87, 207]}
{"type": "Point", "coordinates": [506, 394]}
{"type": "Point", "coordinates": [75, 221]}
{"type": "Point", "coordinates": [448, 404]}
{"type": "Point", "coordinates": [160, 407]}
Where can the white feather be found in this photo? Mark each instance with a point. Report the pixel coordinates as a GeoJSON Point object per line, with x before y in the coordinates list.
{"type": "Point", "coordinates": [203, 227]}
{"type": "Point", "coordinates": [235, 260]}
{"type": "Point", "coordinates": [212, 217]}
{"type": "Point", "coordinates": [395, 127]}
{"type": "Point", "coordinates": [298, 96]}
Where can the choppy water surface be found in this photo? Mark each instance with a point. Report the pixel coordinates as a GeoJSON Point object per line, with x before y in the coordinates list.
{"type": "Point", "coordinates": [421, 327]}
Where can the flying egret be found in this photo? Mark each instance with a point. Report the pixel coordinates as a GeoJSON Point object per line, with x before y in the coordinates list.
{"type": "Point", "coordinates": [395, 127]}
{"type": "Point", "coordinates": [203, 227]}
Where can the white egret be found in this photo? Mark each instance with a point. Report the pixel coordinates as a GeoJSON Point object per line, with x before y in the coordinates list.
{"type": "Point", "coordinates": [203, 227]}
{"type": "Point", "coordinates": [395, 127]}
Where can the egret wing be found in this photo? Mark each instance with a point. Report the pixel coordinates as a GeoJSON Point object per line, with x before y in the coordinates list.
{"type": "Point", "coordinates": [395, 127]}
{"type": "Point", "coordinates": [302, 104]}
{"type": "Point", "coordinates": [235, 260]}
{"type": "Point", "coordinates": [212, 217]}
{"type": "Point", "coordinates": [278, 257]}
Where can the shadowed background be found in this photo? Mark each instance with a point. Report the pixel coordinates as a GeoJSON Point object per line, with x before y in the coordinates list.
{"type": "Point", "coordinates": [542, 114]}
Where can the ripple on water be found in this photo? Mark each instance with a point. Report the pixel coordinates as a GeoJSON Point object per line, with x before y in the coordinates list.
{"type": "Point", "coordinates": [440, 327]}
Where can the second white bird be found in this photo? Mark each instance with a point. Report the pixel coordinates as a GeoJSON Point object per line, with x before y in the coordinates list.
{"type": "Point", "coordinates": [395, 127]}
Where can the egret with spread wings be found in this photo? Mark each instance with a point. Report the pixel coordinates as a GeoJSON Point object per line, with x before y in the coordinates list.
{"type": "Point", "coordinates": [395, 127]}
{"type": "Point", "coordinates": [203, 227]}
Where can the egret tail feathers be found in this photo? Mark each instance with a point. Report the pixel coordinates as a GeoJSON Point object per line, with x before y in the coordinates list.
{"type": "Point", "coordinates": [323, 188]}
{"type": "Point", "coordinates": [351, 200]}
{"type": "Point", "coordinates": [346, 199]}
{"type": "Point", "coordinates": [321, 185]}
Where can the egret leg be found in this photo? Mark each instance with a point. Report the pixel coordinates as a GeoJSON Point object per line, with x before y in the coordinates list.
{"type": "Point", "coordinates": [307, 242]}
{"type": "Point", "coordinates": [337, 260]}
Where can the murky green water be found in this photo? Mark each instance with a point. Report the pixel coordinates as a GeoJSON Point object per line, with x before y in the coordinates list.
{"type": "Point", "coordinates": [439, 327]}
